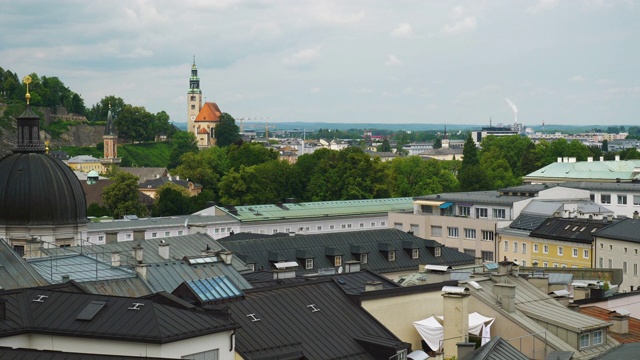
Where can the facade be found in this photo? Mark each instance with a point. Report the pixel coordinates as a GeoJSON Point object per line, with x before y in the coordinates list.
{"type": "Point", "coordinates": [313, 217]}
{"type": "Point", "coordinates": [205, 123]}
{"type": "Point", "coordinates": [86, 163]}
{"type": "Point", "coordinates": [618, 246]}
{"type": "Point", "coordinates": [622, 198]}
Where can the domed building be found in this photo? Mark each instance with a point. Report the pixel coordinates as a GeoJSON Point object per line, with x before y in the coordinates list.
{"type": "Point", "coordinates": [42, 203]}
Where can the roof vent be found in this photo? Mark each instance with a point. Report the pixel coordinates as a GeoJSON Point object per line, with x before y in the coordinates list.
{"type": "Point", "coordinates": [313, 308]}
{"type": "Point", "coordinates": [136, 306]}
{"type": "Point", "coordinates": [253, 317]}
{"type": "Point", "coordinates": [41, 298]}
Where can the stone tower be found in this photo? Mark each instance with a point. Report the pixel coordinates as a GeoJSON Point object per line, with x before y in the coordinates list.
{"type": "Point", "coordinates": [110, 139]}
{"type": "Point", "coordinates": [194, 98]}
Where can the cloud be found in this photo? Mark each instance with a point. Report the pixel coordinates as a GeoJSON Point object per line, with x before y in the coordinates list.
{"type": "Point", "coordinates": [403, 30]}
{"type": "Point", "coordinates": [542, 6]}
{"type": "Point", "coordinates": [467, 24]}
{"type": "Point", "coordinates": [578, 78]}
{"type": "Point", "coordinates": [393, 61]}
{"type": "Point", "coordinates": [431, 107]}
{"type": "Point", "coordinates": [303, 57]}
{"type": "Point", "coordinates": [362, 90]}
{"type": "Point", "coordinates": [315, 90]}
{"type": "Point", "coordinates": [457, 12]}
{"type": "Point", "coordinates": [330, 13]}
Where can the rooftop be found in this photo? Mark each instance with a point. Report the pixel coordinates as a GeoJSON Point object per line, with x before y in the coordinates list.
{"type": "Point", "coordinates": [475, 197]}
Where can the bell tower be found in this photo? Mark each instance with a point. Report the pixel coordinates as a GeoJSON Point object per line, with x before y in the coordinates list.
{"type": "Point", "coordinates": [194, 98]}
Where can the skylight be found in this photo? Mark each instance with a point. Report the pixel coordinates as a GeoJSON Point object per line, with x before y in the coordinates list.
{"type": "Point", "coordinates": [91, 310]}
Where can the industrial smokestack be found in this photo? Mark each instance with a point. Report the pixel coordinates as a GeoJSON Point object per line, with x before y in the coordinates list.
{"type": "Point", "coordinates": [514, 109]}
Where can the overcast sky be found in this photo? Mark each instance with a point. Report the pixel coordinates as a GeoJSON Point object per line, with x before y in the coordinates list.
{"type": "Point", "coordinates": [561, 62]}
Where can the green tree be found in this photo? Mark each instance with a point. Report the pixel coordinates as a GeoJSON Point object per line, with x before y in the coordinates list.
{"type": "Point", "coordinates": [182, 142]}
{"type": "Point", "coordinates": [205, 167]}
{"type": "Point", "coordinates": [470, 153]}
{"type": "Point", "coordinates": [385, 146]}
{"type": "Point", "coordinates": [95, 210]}
{"type": "Point", "coordinates": [414, 176]}
{"type": "Point", "coordinates": [437, 144]}
{"type": "Point", "coordinates": [171, 199]}
{"type": "Point", "coordinates": [226, 131]}
{"type": "Point", "coordinates": [605, 146]}
{"type": "Point", "coordinates": [249, 154]}
{"type": "Point", "coordinates": [122, 197]}
{"type": "Point", "coordinates": [99, 111]}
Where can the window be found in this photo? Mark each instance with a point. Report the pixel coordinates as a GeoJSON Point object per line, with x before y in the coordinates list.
{"type": "Point", "coordinates": [610, 263]}
{"type": "Point", "coordinates": [464, 210]}
{"type": "Point", "coordinates": [154, 235]}
{"type": "Point", "coordinates": [469, 233]}
{"type": "Point", "coordinates": [482, 213]}
{"type": "Point", "coordinates": [167, 233]}
{"type": "Point", "coordinates": [622, 200]}
{"type": "Point", "coordinates": [19, 249]}
{"type": "Point", "coordinates": [383, 223]}
{"type": "Point", "coordinates": [308, 264]}
{"type": "Point", "coordinates": [100, 238]}
{"type": "Point", "coordinates": [373, 224]}
{"type": "Point", "coordinates": [487, 235]}
{"type": "Point", "coordinates": [545, 264]}
{"type": "Point", "coordinates": [487, 255]}
{"type": "Point", "coordinates": [545, 249]}
{"type": "Point", "coordinates": [344, 226]}
{"type": "Point", "coordinates": [535, 248]}
{"type": "Point", "coordinates": [363, 258]}
{"type": "Point", "coordinates": [361, 225]}
{"type": "Point", "coordinates": [592, 197]}
{"type": "Point", "coordinates": [337, 260]}
{"type": "Point", "coordinates": [524, 262]}
{"type": "Point", "coordinates": [470, 252]}
{"type": "Point", "coordinates": [426, 209]}
{"type": "Point", "coordinates": [128, 236]}
{"type": "Point", "coordinates": [636, 200]}
{"type": "Point", "coordinates": [349, 226]}
{"type": "Point", "coordinates": [506, 245]}
{"type": "Point", "coordinates": [319, 227]}
{"type": "Point", "coordinates": [499, 214]}
{"type": "Point", "coordinates": [287, 230]}
{"type": "Point", "coordinates": [217, 231]}
{"type": "Point", "coordinates": [398, 226]}
{"type": "Point", "coordinates": [585, 254]}
{"type": "Point", "coordinates": [555, 265]}
{"type": "Point", "coordinates": [584, 340]}
{"type": "Point", "coordinates": [624, 267]}
{"type": "Point", "coordinates": [437, 251]}
{"type": "Point", "coordinates": [625, 250]}
{"type": "Point", "coordinates": [515, 246]}
{"type": "Point", "coordinates": [415, 253]}
{"type": "Point", "coordinates": [262, 231]}
{"type": "Point", "coordinates": [635, 269]}
{"type": "Point", "coordinates": [524, 249]}
{"type": "Point", "coordinates": [415, 228]}
{"type": "Point", "coordinates": [391, 256]}
{"type": "Point", "coordinates": [180, 232]}
{"type": "Point", "coordinates": [575, 252]}
{"type": "Point", "coordinates": [274, 231]}
{"type": "Point", "coordinates": [331, 227]}
{"type": "Point", "coordinates": [436, 230]}
{"type": "Point", "coordinates": [205, 355]}
{"type": "Point", "coordinates": [453, 232]}
{"type": "Point", "coordinates": [605, 198]}
{"type": "Point", "coordinates": [597, 337]}
{"type": "Point", "coordinates": [610, 247]}
{"type": "Point", "coordinates": [560, 250]}
{"type": "Point", "coordinates": [635, 251]}
{"type": "Point", "coordinates": [600, 263]}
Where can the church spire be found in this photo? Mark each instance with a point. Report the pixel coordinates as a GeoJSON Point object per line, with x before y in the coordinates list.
{"type": "Point", "coordinates": [194, 80]}
{"type": "Point", "coordinates": [28, 128]}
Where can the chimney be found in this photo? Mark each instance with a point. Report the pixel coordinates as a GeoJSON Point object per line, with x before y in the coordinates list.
{"type": "Point", "coordinates": [65, 278]}
{"type": "Point", "coordinates": [636, 216]}
{"type": "Point", "coordinates": [177, 177]}
{"type": "Point", "coordinates": [227, 257]}
{"type": "Point", "coordinates": [580, 293]}
{"type": "Point", "coordinates": [590, 159]}
{"type": "Point", "coordinates": [351, 266]}
{"type": "Point", "coordinates": [163, 250]}
{"type": "Point", "coordinates": [372, 285]}
{"type": "Point", "coordinates": [617, 157]}
{"type": "Point", "coordinates": [141, 269]}
{"type": "Point", "coordinates": [456, 321]}
{"type": "Point", "coordinates": [601, 158]}
{"type": "Point", "coordinates": [279, 274]}
{"type": "Point", "coordinates": [506, 296]}
{"type": "Point", "coordinates": [565, 159]}
{"type": "Point", "coordinates": [540, 281]}
{"type": "Point", "coordinates": [115, 258]}
{"type": "Point", "coordinates": [465, 348]}
{"type": "Point", "coordinates": [3, 309]}
{"type": "Point", "coordinates": [137, 253]}
{"type": "Point", "coordinates": [559, 159]}
{"type": "Point", "coordinates": [574, 307]}
{"type": "Point", "coordinates": [620, 324]}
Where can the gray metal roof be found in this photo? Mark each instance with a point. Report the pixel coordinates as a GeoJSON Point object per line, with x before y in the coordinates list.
{"type": "Point", "coordinates": [627, 230]}
{"type": "Point", "coordinates": [475, 197]}
{"type": "Point", "coordinates": [168, 275]}
{"type": "Point", "coordinates": [496, 349]}
{"type": "Point", "coordinates": [78, 267]}
{"type": "Point", "coordinates": [15, 272]}
{"type": "Point", "coordinates": [578, 230]}
{"type": "Point", "coordinates": [625, 351]}
{"type": "Point", "coordinates": [613, 186]}
{"type": "Point", "coordinates": [158, 222]}
{"type": "Point", "coordinates": [214, 289]}
{"type": "Point", "coordinates": [180, 246]}
{"type": "Point", "coordinates": [323, 247]}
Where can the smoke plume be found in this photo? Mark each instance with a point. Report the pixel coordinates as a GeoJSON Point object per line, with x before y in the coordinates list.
{"type": "Point", "coordinates": [514, 109]}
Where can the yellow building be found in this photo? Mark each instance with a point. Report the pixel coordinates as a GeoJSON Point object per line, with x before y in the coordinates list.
{"type": "Point", "coordinates": [86, 163]}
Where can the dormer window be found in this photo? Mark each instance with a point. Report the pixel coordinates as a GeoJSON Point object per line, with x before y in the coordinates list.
{"type": "Point", "coordinates": [437, 251]}
{"type": "Point", "coordinates": [415, 253]}
{"type": "Point", "coordinates": [364, 258]}
{"type": "Point", "coordinates": [308, 264]}
{"type": "Point", "coordinates": [337, 260]}
{"type": "Point", "coordinates": [391, 255]}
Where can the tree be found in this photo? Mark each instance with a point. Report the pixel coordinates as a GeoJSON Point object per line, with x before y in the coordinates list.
{"type": "Point", "coordinates": [385, 146]}
{"type": "Point", "coordinates": [249, 154]}
{"type": "Point", "coordinates": [414, 176]}
{"type": "Point", "coordinates": [99, 111]}
{"type": "Point", "coordinates": [226, 131]}
{"type": "Point", "coordinates": [122, 197]}
{"type": "Point", "coordinates": [171, 199]}
{"type": "Point", "coordinates": [470, 153]}
{"type": "Point", "coordinates": [205, 167]}
{"type": "Point", "coordinates": [437, 144]}
{"type": "Point", "coordinates": [182, 142]}
{"type": "Point", "coordinates": [605, 146]}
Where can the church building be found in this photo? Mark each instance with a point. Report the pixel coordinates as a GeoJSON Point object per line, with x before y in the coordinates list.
{"type": "Point", "coordinates": [201, 120]}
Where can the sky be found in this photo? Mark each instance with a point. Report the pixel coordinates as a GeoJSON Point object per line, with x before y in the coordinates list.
{"type": "Point", "coordinates": [572, 62]}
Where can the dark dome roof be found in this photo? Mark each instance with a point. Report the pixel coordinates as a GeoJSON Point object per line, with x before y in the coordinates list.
{"type": "Point", "coordinates": [36, 189]}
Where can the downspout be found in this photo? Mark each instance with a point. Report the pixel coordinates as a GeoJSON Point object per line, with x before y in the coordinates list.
{"type": "Point", "coordinates": [232, 338]}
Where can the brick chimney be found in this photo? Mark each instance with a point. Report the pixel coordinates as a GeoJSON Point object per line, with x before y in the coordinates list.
{"type": "Point", "coordinates": [456, 321]}
{"type": "Point", "coordinates": [138, 253]}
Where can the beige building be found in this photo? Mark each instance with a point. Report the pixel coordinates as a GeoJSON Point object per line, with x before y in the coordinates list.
{"type": "Point", "coordinates": [617, 246]}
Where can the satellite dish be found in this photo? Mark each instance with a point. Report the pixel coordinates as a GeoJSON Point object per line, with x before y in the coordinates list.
{"type": "Point", "coordinates": [340, 270]}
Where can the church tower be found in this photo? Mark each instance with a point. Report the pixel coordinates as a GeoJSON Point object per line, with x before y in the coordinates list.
{"type": "Point", "coordinates": [445, 139]}
{"type": "Point", "coordinates": [194, 98]}
{"type": "Point", "coordinates": [110, 139]}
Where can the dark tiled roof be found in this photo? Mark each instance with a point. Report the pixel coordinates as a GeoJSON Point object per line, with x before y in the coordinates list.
{"type": "Point", "coordinates": [627, 229]}
{"type": "Point", "coordinates": [312, 320]}
{"type": "Point", "coordinates": [626, 351]}
{"type": "Point", "coordinates": [351, 283]}
{"type": "Point", "coordinates": [578, 230]}
{"type": "Point", "coordinates": [322, 248]}
{"type": "Point", "coordinates": [496, 349]}
{"type": "Point", "coordinates": [31, 354]}
{"type": "Point", "coordinates": [528, 222]}
{"type": "Point", "coordinates": [15, 272]}
{"type": "Point", "coordinates": [633, 336]}
{"type": "Point", "coordinates": [145, 173]}
{"type": "Point", "coordinates": [57, 313]}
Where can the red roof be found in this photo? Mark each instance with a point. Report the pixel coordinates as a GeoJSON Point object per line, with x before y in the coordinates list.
{"type": "Point", "coordinates": [203, 131]}
{"type": "Point", "coordinates": [209, 112]}
{"type": "Point", "coordinates": [603, 314]}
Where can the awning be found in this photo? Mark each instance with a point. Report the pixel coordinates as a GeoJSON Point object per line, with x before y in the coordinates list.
{"type": "Point", "coordinates": [437, 267]}
{"type": "Point", "coordinates": [431, 330]}
{"type": "Point", "coordinates": [446, 205]}
{"type": "Point", "coordinates": [465, 204]}
{"type": "Point", "coordinates": [428, 202]}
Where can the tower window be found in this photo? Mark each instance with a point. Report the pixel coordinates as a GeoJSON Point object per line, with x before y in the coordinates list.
{"type": "Point", "coordinates": [193, 98]}
{"type": "Point", "coordinates": [193, 107]}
